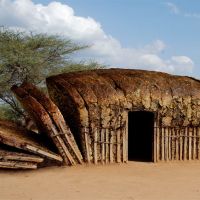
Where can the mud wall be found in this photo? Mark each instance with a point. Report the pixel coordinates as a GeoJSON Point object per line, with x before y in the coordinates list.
{"type": "Point", "coordinates": [95, 104]}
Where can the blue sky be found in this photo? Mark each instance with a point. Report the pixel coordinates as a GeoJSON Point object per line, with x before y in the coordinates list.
{"type": "Point", "coordinates": [149, 34]}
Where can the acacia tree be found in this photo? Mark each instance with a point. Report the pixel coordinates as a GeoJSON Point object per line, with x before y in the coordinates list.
{"type": "Point", "coordinates": [32, 57]}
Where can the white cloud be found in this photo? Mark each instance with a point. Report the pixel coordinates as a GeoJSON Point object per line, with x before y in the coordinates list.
{"type": "Point", "coordinates": [173, 8]}
{"type": "Point", "coordinates": [192, 15]}
{"type": "Point", "coordinates": [176, 10]}
{"type": "Point", "coordinates": [57, 18]}
{"type": "Point", "coordinates": [182, 63]}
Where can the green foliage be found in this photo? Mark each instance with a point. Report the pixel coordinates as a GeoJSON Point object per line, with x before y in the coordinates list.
{"type": "Point", "coordinates": [32, 57]}
{"type": "Point", "coordinates": [7, 113]}
{"type": "Point", "coordinates": [73, 67]}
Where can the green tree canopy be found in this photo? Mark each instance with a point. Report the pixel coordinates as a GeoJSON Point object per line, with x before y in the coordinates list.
{"type": "Point", "coordinates": [32, 57]}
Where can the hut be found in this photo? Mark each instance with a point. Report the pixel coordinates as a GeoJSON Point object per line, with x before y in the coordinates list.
{"type": "Point", "coordinates": [118, 115]}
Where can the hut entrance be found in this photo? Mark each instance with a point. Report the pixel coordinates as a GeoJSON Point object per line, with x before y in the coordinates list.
{"type": "Point", "coordinates": [140, 136]}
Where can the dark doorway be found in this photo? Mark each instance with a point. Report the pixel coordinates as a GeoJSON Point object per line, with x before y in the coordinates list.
{"type": "Point", "coordinates": [140, 136]}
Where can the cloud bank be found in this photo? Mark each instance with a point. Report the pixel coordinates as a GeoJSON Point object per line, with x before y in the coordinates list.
{"type": "Point", "coordinates": [58, 18]}
{"type": "Point", "coordinates": [173, 7]}
{"type": "Point", "coordinates": [177, 11]}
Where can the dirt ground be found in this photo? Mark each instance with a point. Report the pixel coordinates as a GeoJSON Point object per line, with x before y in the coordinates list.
{"type": "Point", "coordinates": [132, 181]}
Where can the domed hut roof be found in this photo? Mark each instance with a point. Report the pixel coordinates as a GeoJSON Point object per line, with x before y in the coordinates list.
{"type": "Point", "coordinates": [101, 99]}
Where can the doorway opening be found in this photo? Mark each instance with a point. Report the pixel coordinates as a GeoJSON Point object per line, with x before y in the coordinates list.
{"type": "Point", "coordinates": [140, 136]}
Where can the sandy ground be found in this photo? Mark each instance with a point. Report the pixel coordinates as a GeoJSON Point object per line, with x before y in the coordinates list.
{"type": "Point", "coordinates": [132, 181]}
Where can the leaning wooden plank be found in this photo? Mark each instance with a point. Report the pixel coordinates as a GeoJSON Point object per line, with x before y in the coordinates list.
{"type": "Point", "coordinates": [43, 122]}
{"type": "Point", "coordinates": [16, 156]}
{"type": "Point", "coordinates": [19, 139]}
{"type": "Point", "coordinates": [57, 118]}
{"type": "Point", "coordinates": [42, 139]}
{"type": "Point", "coordinates": [17, 165]}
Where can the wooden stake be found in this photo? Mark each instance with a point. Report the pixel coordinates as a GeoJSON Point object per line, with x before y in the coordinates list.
{"type": "Point", "coordinates": [163, 144]}
{"type": "Point", "coordinates": [166, 144]}
{"type": "Point", "coordinates": [102, 147]}
{"type": "Point", "coordinates": [118, 147]}
{"type": "Point", "coordinates": [111, 147]}
{"type": "Point", "coordinates": [198, 143]}
{"type": "Point", "coordinates": [87, 145]}
{"type": "Point", "coordinates": [185, 145]}
{"type": "Point", "coordinates": [177, 144]}
{"type": "Point", "coordinates": [173, 143]}
{"type": "Point", "coordinates": [158, 143]}
{"type": "Point", "coordinates": [190, 144]}
{"type": "Point", "coordinates": [194, 143]}
{"type": "Point", "coordinates": [95, 145]}
{"type": "Point", "coordinates": [154, 143]}
{"type": "Point", "coordinates": [107, 145]}
{"type": "Point", "coordinates": [181, 144]}
{"type": "Point", "coordinates": [124, 154]}
{"type": "Point", "coordinates": [170, 152]}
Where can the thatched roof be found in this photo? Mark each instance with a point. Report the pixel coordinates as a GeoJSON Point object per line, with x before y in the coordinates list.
{"type": "Point", "coordinates": [175, 97]}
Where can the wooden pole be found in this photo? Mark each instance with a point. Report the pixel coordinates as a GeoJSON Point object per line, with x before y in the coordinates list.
{"type": "Point", "coordinates": [111, 147]}
{"type": "Point", "coordinates": [190, 144]}
{"type": "Point", "coordinates": [181, 144]}
{"type": "Point", "coordinates": [17, 165]}
{"type": "Point", "coordinates": [86, 145]}
{"type": "Point", "coordinates": [95, 145]}
{"type": "Point", "coordinates": [158, 143]}
{"type": "Point", "coordinates": [194, 143]}
{"type": "Point", "coordinates": [20, 139]}
{"type": "Point", "coordinates": [16, 156]}
{"type": "Point", "coordinates": [154, 143]}
{"type": "Point", "coordinates": [118, 147]}
{"type": "Point", "coordinates": [170, 153]}
{"type": "Point", "coordinates": [185, 145]}
{"type": "Point", "coordinates": [173, 144]}
{"type": "Point", "coordinates": [124, 145]}
{"type": "Point", "coordinates": [163, 144]}
{"type": "Point", "coordinates": [57, 119]}
{"type": "Point", "coordinates": [198, 143]}
{"type": "Point", "coordinates": [166, 144]}
{"type": "Point", "coordinates": [102, 146]}
{"type": "Point", "coordinates": [107, 145]}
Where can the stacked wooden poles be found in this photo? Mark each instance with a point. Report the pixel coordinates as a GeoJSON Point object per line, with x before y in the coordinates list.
{"type": "Point", "coordinates": [21, 140]}
{"type": "Point", "coordinates": [49, 120]}
{"type": "Point", "coordinates": [15, 160]}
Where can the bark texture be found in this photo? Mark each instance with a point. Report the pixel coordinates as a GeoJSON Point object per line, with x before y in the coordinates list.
{"type": "Point", "coordinates": [50, 121]}
{"type": "Point", "coordinates": [21, 139]}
